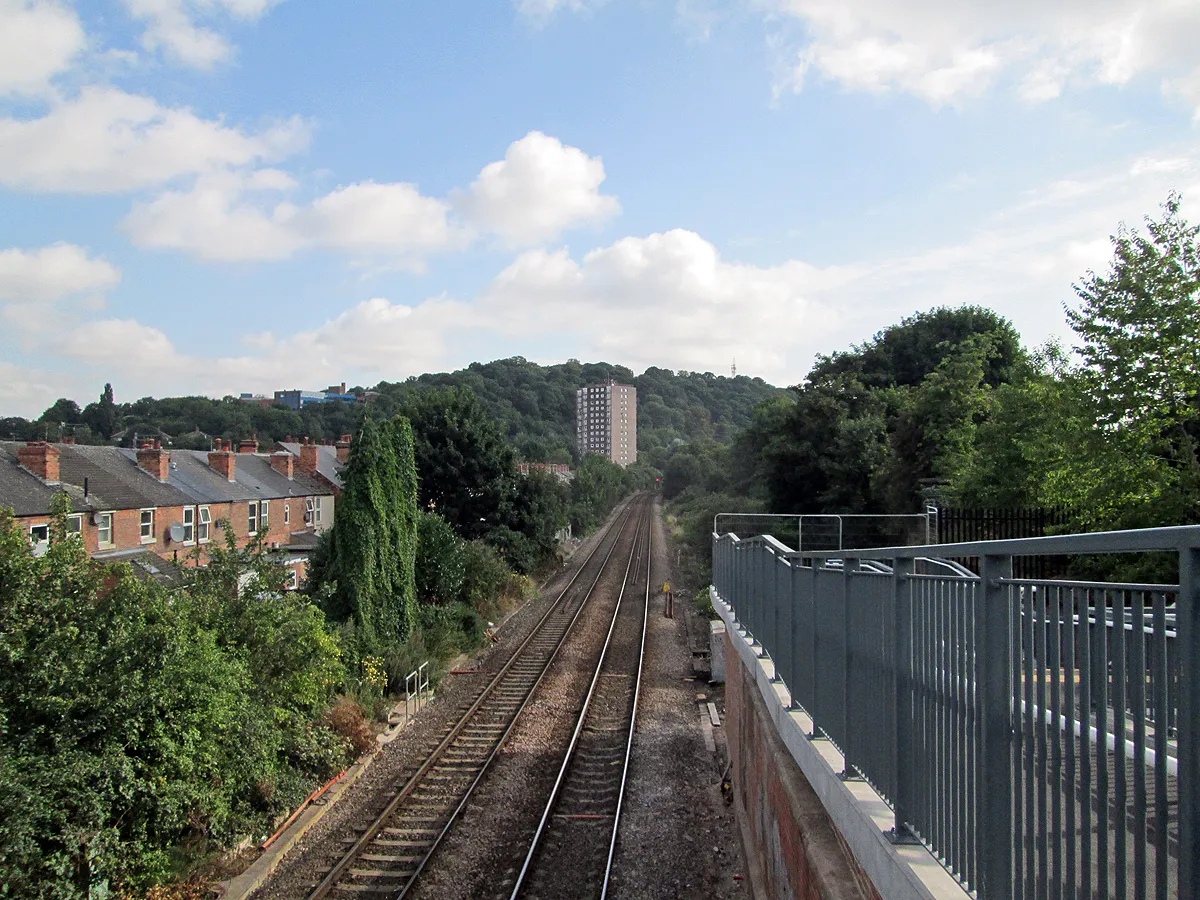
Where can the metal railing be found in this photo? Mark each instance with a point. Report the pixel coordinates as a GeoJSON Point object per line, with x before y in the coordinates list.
{"type": "Point", "coordinates": [1038, 736]}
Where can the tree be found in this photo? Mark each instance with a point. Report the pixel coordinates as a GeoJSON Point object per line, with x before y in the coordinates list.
{"type": "Point", "coordinates": [63, 410]}
{"type": "Point", "coordinates": [466, 468]}
{"type": "Point", "coordinates": [101, 416]}
{"type": "Point", "coordinates": [134, 721]}
{"type": "Point", "coordinates": [367, 573]}
{"type": "Point", "coordinates": [1140, 325]}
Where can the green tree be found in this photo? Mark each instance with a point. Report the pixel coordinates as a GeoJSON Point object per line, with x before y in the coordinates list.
{"type": "Point", "coordinates": [467, 469]}
{"type": "Point", "coordinates": [134, 722]}
{"type": "Point", "coordinates": [101, 416]}
{"type": "Point", "coordinates": [366, 575]}
{"type": "Point", "coordinates": [1139, 326]}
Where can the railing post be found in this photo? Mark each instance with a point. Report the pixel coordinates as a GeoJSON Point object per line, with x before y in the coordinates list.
{"type": "Point", "coordinates": [1187, 612]}
{"type": "Point", "coordinates": [993, 760]}
{"type": "Point", "coordinates": [815, 710]}
{"type": "Point", "coordinates": [849, 567]}
{"type": "Point", "coordinates": [902, 699]}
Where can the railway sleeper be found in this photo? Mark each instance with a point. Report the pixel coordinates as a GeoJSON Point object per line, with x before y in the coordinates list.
{"type": "Point", "coordinates": [390, 858]}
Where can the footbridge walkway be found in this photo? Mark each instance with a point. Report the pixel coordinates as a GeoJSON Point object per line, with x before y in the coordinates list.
{"type": "Point", "coordinates": [968, 732]}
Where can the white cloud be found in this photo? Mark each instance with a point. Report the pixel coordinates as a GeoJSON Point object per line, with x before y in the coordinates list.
{"type": "Point", "coordinates": [393, 218]}
{"type": "Point", "coordinates": [39, 39]}
{"type": "Point", "coordinates": [541, 11]}
{"type": "Point", "coordinates": [227, 217]}
{"type": "Point", "coordinates": [539, 190]}
{"type": "Point", "coordinates": [108, 141]}
{"type": "Point", "coordinates": [171, 26]}
{"type": "Point", "coordinates": [945, 50]}
{"type": "Point", "coordinates": [372, 340]}
{"type": "Point", "coordinates": [666, 299]}
{"type": "Point", "coordinates": [26, 391]}
{"type": "Point", "coordinates": [216, 219]}
{"type": "Point", "coordinates": [52, 273]}
{"type": "Point", "coordinates": [121, 345]}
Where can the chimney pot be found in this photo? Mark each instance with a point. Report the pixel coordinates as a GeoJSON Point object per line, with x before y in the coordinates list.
{"type": "Point", "coordinates": [41, 459]}
{"type": "Point", "coordinates": [155, 460]}
{"type": "Point", "coordinates": [223, 460]}
{"type": "Point", "coordinates": [283, 463]}
{"type": "Point", "coordinates": [309, 454]}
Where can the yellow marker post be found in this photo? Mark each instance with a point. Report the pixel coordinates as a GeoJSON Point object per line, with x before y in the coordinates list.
{"type": "Point", "coordinates": [666, 587]}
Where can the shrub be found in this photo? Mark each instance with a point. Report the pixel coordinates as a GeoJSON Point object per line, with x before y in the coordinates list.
{"type": "Point", "coordinates": [347, 719]}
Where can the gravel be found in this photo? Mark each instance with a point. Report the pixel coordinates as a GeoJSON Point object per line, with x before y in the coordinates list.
{"type": "Point", "coordinates": [678, 836]}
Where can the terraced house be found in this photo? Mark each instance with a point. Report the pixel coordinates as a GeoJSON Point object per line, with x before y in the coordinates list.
{"type": "Point", "coordinates": [160, 509]}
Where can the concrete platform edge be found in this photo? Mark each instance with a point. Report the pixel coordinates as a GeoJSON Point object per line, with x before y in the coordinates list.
{"type": "Point", "coordinates": [859, 814]}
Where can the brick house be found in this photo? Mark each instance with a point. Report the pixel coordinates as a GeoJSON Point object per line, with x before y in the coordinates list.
{"type": "Point", "coordinates": [168, 505]}
{"type": "Point", "coordinates": [322, 461]}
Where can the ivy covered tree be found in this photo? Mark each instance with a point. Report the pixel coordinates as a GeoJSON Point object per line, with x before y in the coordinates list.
{"type": "Point", "coordinates": [366, 573]}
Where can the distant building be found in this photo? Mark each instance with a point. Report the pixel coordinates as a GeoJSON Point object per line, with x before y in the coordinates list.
{"type": "Point", "coordinates": [259, 399]}
{"type": "Point", "coordinates": [606, 421]}
{"type": "Point", "coordinates": [561, 471]}
{"type": "Point", "coordinates": [335, 393]}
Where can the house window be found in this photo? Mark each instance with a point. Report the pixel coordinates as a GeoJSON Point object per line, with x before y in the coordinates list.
{"type": "Point", "coordinates": [293, 580]}
{"type": "Point", "coordinates": [263, 509]}
{"type": "Point", "coordinates": [205, 522]}
{"type": "Point", "coordinates": [39, 534]}
{"type": "Point", "coordinates": [147, 526]}
{"type": "Point", "coordinates": [189, 524]}
{"type": "Point", "coordinates": [312, 511]}
{"type": "Point", "coordinates": [253, 508]}
{"type": "Point", "coordinates": [104, 529]}
{"type": "Point", "coordinates": [74, 524]}
{"type": "Point", "coordinates": [287, 514]}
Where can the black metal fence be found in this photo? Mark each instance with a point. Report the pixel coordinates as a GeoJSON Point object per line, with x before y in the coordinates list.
{"type": "Point", "coordinates": [959, 526]}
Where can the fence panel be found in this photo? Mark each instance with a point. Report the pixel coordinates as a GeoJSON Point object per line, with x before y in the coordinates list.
{"type": "Point", "coordinates": [1039, 735]}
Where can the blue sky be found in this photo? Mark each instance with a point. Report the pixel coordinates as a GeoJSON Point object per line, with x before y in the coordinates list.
{"type": "Point", "coordinates": [215, 196]}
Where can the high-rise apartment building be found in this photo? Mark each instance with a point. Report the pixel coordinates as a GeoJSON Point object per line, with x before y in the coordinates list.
{"type": "Point", "coordinates": [606, 421]}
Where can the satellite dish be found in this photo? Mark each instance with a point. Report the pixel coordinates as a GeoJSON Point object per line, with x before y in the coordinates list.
{"type": "Point", "coordinates": [177, 532]}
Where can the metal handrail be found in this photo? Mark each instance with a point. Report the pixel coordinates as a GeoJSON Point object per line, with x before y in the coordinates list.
{"type": "Point", "coordinates": [1032, 744]}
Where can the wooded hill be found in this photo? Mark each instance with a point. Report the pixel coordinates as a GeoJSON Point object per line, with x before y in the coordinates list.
{"type": "Point", "coordinates": [534, 406]}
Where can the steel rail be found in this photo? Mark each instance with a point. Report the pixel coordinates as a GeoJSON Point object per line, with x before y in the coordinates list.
{"type": "Point", "coordinates": [637, 690]}
{"type": "Point", "coordinates": [330, 881]}
{"type": "Point", "coordinates": [583, 714]}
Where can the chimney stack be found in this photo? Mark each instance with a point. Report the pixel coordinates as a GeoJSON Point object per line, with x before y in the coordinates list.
{"type": "Point", "coordinates": [41, 459]}
{"type": "Point", "coordinates": [283, 463]}
{"type": "Point", "coordinates": [223, 460]}
{"type": "Point", "coordinates": [309, 454]}
{"type": "Point", "coordinates": [343, 449]}
{"type": "Point", "coordinates": [249, 445]}
{"type": "Point", "coordinates": [154, 459]}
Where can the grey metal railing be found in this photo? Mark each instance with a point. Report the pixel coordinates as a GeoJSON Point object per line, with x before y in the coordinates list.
{"type": "Point", "coordinates": [1038, 736]}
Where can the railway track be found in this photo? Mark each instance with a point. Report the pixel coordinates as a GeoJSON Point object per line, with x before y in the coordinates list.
{"type": "Point", "coordinates": [392, 849]}
{"type": "Point", "coordinates": [571, 852]}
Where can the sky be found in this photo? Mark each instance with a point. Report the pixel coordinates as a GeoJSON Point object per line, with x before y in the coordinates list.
{"type": "Point", "coordinates": [225, 196]}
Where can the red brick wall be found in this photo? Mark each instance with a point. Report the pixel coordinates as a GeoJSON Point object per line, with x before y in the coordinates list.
{"type": "Point", "coordinates": [127, 528]}
{"type": "Point", "coordinates": [793, 848]}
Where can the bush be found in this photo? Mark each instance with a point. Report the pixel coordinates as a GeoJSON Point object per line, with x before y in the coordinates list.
{"type": "Point", "coordinates": [348, 720]}
{"type": "Point", "coordinates": [440, 566]}
{"type": "Point", "coordinates": [135, 723]}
